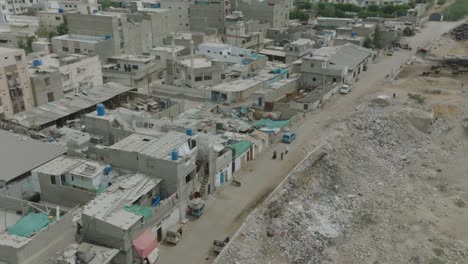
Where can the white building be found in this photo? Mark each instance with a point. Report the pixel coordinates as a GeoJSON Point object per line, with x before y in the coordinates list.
{"type": "Point", "coordinates": [224, 52]}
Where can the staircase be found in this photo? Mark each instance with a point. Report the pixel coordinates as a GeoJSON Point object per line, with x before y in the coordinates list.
{"type": "Point", "coordinates": [204, 185]}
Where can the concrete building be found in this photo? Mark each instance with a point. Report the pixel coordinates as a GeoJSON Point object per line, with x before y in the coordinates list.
{"type": "Point", "coordinates": [111, 25]}
{"type": "Point", "coordinates": [56, 113]}
{"type": "Point", "coordinates": [333, 22]}
{"type": "Point", "coordinates": [81, 6]}
{"type": "Point", "coordinates": [170, 157]}
{"type": "Point", "coordinates": [180, 10]}
{"type": "Point", "coordinates": [211, 14]}
{"type": "Point", "coordinates": [78, 72]}
{"type": "Point", "coordinates": [17, 29]}
{"type": "Point", "coordinates": [194, 72]}
{"type": "Point", "coordinates": [35, 234]}
{"type": "Point", "coordinates": [275, 13]}
{"type": "Point", "coordinates": [83, 251]}
{"type": "Point", "coordinates": [46, 84]}
{"type": "Point", "coordinates": [10, 8]}
{"type": "Point", "coordinates": [16, 177]}
{"type": "Point", "coordinates": [298, 49]}
{"type": "Point", "coordinates": [15, 87]}
{"type": "Point", "coordinates": [224, 52]}
{"type": "Point", "coordinates": [50, 20]}
{"type": "Point", "coordinates": [69, 181]}
{"type": "Point", "coordinates": [238, 35]}
{"type": "Point", "coordinates": [340, 64]}
{"type": "Point", "coordinates": [163, 53]}
{"type": "Point", "coordinates": [84, 44]}
{"type": "Point", "coordinates": [131, 216]}
{"type": "Point", "coordinates": [137, 71]}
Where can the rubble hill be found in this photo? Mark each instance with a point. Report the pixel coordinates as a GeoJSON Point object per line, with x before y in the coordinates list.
{"type": "Point", "coordinates": [385, 192]}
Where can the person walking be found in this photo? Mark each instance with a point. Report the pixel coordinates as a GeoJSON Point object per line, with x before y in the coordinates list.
{"type": "Point", "coordinates": [274, 155]}
{"type": "Point", "coordinates": [287, 149]}
{"type": "Point", "coordinates": [394, 95]}
{"type": "Point", "coordinates": [282, 155]}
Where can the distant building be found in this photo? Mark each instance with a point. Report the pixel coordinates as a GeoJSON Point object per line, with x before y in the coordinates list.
{"type": "Point", "coordinates": [162, 53]}
{"type": "Point", "coordinates": [46, 84]}
{"type": "Point", "coordinates": [298, 49]}
{"type": "Point", "coordinates": [237, 33]}
{"type": "Point", "coordinates": [78, 72]}
{"type": "Point", "coordinates": [340, 64]}
{"type": "Point", "coordinates": [50, 21]}
{"type": "Point", "coordinates": [180, 10]}
{"type": "Point", "coordinates": [15, 87]}
{"type": "Point", "coordinates": [84, 44]}
{"type": "Point", "coordinates": [210, 14]}
{"type": "Point", "coordinates": [136, 71]}
{"type": "Point", "coordinates": [275, 13]}
{"type": "Point", "coordinates": [10, 8]}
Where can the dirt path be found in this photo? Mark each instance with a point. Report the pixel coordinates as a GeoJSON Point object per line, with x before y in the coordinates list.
{"type": "Point", "coordinates": [232, 204]}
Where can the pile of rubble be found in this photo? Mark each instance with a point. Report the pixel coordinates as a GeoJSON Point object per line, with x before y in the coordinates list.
{"type": "Point", "coordinates": [376, 197]}
{"type": "Point", "coordinates": [460, 32]}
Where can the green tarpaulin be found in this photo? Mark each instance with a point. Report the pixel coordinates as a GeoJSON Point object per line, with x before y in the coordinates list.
{"type": "Point", "coordinates": [29, 225]}
{"type": "Point", "coordinates": [240, 147]}
{"type": "Point", "coordinates": [144, 211]}
{"type": "Point", "coordinates": [271, 124]}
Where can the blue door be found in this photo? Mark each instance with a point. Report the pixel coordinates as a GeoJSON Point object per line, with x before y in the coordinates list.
{"type": "Point", "coordinates": [222, 177]}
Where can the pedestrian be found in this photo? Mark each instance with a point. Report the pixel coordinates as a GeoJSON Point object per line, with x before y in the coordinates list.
{"type": "Point", "coordinates": [394, 95]}
{"type": "Point", "coordinates": [303, 115]}
{"type": "Point", "coordinates": [282, 155]}
{"type": "Point", "coordinates": [287, 149]}
{"type": "Point", "coordinates": [274, 154]}
{"type": "Point", "coordinates": [462, 84]}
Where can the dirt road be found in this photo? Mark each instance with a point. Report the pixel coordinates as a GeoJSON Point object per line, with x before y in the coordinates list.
{"type": "Point", "coordinates": [228, 208]}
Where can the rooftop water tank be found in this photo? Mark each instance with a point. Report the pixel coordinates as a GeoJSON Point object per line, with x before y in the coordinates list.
{"type": "Point", "coordinates": [61, 11]}
{"type": "Point", "coordinates": [107, 169]}
{"type": "Point", "coordinates": [353, 34]}
{"type": "Point", "coordinates": [37, 63]}
{"type": "Point", "coordinates": [107, 36]}
{"type": "Point", "coordinates": [100, 109]}
{"type": "Point", "coordinates": [189, 132]}
{"type": "Point", "coordinates": [175, 155]}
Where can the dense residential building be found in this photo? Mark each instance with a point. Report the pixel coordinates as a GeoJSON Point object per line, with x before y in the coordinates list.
{"type": "Point", "coordinates": [179, 10]}
{"type": "Point", "coordinates": [14, 7]}
{"type": "Point", "coordinates": [206, 15]}
{"type": "Point", "coordinates": [51, 20]}
{"type": "Point", "coordinates": [298, 49]}
{"type": "Point", "coordinates": [274, 13]}
{"type": "Point", "coordinates": [15, 86]}
{"type": "Point", "coordinates": [46, 84]}
{"type": "Point", "coordinates": [103, 47]}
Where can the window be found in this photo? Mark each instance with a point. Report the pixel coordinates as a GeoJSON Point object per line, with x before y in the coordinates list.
{"type": "Point", "coordinates": [135, 67]}
{"type": "Point", "coordinates": [65, 49]}
{"type": "Point", "coordinates": [198, 79]}
{"type": "Point", "coordinates": [47, 81]}
{"type": "Point", "coordinates": [334, 80]}
{"type": "Point", "coordinates": [314, 79]}
{"type": "Point", "coordinates": [312, 65]}
{"type": "Point", "coordinates": [188, 178]}
{"type": "Point", "coordinates": [18, 58]}
{"type": "Point", "coordinates": [158, 57]}
{"type": "Point", "coordinates": [77, 50]}
{"type": "Point", "coordinates": [58, 18]}
{"type": "Point", "coordinates": [50, 97]}
{"type": "Point", "coordinates": [52, 180]}
{"type": "Point", "coordinates": [207, 77]}
{"type": "Point", "coordinates": [62, 179]}
{"type": "Point", "coordinates": [66, 77]}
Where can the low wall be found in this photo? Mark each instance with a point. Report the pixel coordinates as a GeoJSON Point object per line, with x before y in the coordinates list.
{"type": "Point", "coordinates": [170, 90]}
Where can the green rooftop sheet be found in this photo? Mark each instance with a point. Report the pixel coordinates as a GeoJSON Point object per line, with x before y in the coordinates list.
{"type": "Point", "coordinates": [144, 211]}
{"type": "Point", "coordinates": [255, 55]}
{"type": "Point", "coordinates": [240, 147]}
{"type": "Point", "coordinates": [268, 123]}
{"type": "Point", "coordinates": [29, 224]}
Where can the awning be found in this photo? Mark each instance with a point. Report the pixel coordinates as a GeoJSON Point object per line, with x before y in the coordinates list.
{"type": "Point", "coordinates": [145, 243]}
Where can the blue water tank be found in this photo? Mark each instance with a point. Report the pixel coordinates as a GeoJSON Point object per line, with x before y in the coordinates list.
{"type": "Point", "coordinates": [107, 36]}
{"type": "Point", "coordinates": [175, 155]}
{"type": "Point", "coordinates": [100, 109]}
{"type": "Point", "coordinates": [353, 34]}
{"type": "Point", "coordinates": [188, 132]}
{"type": "Point", "coordinates": [37, 63]}
{"type": "Point", "coordinates": [311, 55]}
{"type": "Point", "coordinates": [61, 11]}
{"type": "Point", "coordinates": [107, 169]}
{"type": "Point", "coordinates": [244, 61]}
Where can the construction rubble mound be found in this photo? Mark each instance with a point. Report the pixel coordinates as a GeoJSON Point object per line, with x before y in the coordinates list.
{"type": "Point", "coordinates": [460, 32]}
{"type": "Point", "coordinates": [379, 195]}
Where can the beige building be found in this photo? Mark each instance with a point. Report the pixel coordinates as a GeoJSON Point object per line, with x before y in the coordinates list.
{"type": "Point", "coordinates": [51, 20]}
{"type": "Point", "coordinates": [180, 10]}
{"type": "Point", "coordinates": [46, 84]}
{"type": "Point", "coordinates": [15, 86]}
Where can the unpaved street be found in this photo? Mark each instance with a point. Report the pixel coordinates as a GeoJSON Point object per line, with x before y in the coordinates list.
{"type": "Point", "coordinates": [228, 208]}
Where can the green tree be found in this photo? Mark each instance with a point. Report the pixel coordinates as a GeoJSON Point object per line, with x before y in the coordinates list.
{"type": "Point", "coordinates": [378, 41]}
{"type": "Point", "coordinates": [62, 29]}
{"type": "Point", "coordinates": [306, 6]}
{"type": "Point", "coordinates": [367, 42]}
{"type": "Point", "coordinates": [298, 14]}
{"type": "Point", "coordinates": [327, 11]}
{"type": "Point", "coordinates": [105, 4]}
{"type": "Point", "coordinates": [27, 46]}
{"type": "Point", "coordinates": [42, 32]}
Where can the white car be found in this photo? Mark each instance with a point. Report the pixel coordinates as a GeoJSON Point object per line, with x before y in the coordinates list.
{"type": "Point", "coordinates": [345, 89]}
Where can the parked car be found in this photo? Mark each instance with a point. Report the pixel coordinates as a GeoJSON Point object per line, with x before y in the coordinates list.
{"type": "Point", "coordinates": [220, 243]}
{"type": "Point", "coordinates": [345, 89]}
{"type": "Point", "coordinates": [289, 137]}
{"type": "Point", "coordinates": [174, 234]}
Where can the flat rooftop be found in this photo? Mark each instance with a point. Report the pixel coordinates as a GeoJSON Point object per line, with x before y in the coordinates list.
{"type": "Point", "coordinates": [108, 206]}
{"type": "Point", "coordinates": [22, 154]}
{"type": "Point", "coordinates": [76, 166]}
{"type": "Point", "coordinates": [80, 38]}
{"type": "Point", "coordinates": [53, 111]}
{"type": "Point", "coordinates": [168, 48]}
{"type": "Point", "coordinates": [301, 41]}
{"type": "Point", "coordinates": [197, 63]}
{"type": "Point", "coordinates": [137, 58]}
{"type": "Point", "coordinates": [156, 147]}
